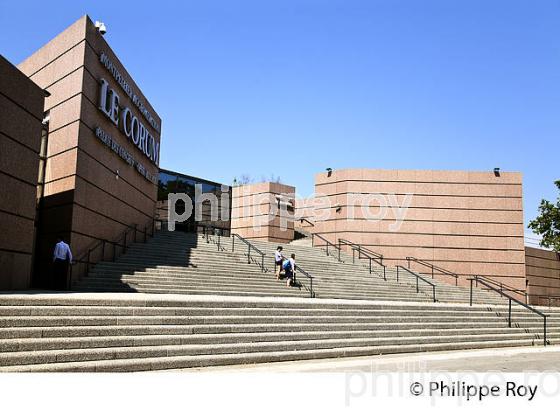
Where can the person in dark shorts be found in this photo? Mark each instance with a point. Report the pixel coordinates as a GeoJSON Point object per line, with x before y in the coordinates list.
{"type": "Point", "coordinates": [289, 266]}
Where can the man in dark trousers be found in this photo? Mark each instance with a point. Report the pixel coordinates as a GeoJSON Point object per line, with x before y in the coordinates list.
{"type": "Point", "coordinates": [62, 257]}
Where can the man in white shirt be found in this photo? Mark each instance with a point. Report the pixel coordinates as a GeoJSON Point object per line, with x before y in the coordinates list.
{"type": "Point", "coordinates": [278, 259]}
{"type": "Point", "coordinates": [62, 257]}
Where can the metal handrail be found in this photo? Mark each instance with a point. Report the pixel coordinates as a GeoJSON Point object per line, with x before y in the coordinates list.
{"type": "Point", "coordinates": [503, 287]}
{"type": "Point", "coordinates": [370, 252]}
{"type": "Point", "coordinates": [367, 253]}
{"type": "Point", "coordinates": [307, 220]}
{"type": "Point", "coordinates": [85, 257]}
{"type": "Point", "coordinates": [433, 267]}
{"type": "Point", "coordinates": [327, 242]}
{"type": "Point", "coordinates": [477, 279]}
{"type": "Point", "coordinates": [418, 278]}
{"type": "Point", "coordinates": [249, 247]}
{"type": "Point", "coordinates": [216, 231]}
{"type": "Point", "coordinates": [365, 250]}
{"type": "Point", "coordinates": [309, 276]}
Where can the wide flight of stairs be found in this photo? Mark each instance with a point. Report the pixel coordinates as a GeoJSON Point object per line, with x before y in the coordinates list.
{"type": "Point", "coordinates": [351, 279]}
{"type": "Point", "coordinates": [181, 263]}
{"type": "Point", "coordinates": [138, 332]}
{"type": "Point", "coordinates": [182, 301]}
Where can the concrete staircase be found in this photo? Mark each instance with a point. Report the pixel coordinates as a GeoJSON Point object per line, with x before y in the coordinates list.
{"type": "Point", "coordinates": [138, 332]}
{"type": "Point", "coordinates": [350, 279]}
{"type": "Point", "coordinates": [181, 263]}
{"type": "Point", "coordinates": [186, 301]}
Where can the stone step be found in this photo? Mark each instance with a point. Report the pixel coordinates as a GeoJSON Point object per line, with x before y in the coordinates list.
{"type": "Point", "coordinates": [280, 290]}
{"type": "Point", "coordinates": [132, 330]}
{"type": "Point", "coordinates": [90, 320]}
{"type": "Point", "coordinates": [255, 287]}
{"type": "Point", "coordinates": [386, 311]}
{"type": "Point", "coordinates": [253, 280]}
{"type": "Point", "coordinates": [252, 276]}
{"type": "Point", "coordinates": [129, 352]}
{"type": "Point", "coordinates": [80, 342]}
{"type": "Point", "coordinates": [70, 299]}
{"type": "Point", "coordinates": [178, 362]}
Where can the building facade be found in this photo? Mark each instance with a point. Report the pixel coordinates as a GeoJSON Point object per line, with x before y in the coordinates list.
{"type": "Point", "coordinates": [542, 269]}
{"type": "Point", "coordinates": [103, 144]}
{"type": "Point", "coordinates": [21, 116]}
{"type": "Point", "coordinates": [214, 201]}
{"type": "Point", "coordinates": [264, 211]}
{"type": "Point", "coordinates": [470, 223]}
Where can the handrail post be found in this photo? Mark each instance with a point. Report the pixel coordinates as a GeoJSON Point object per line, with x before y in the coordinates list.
{"type": "Point", "coordinates": [328, 249]}
{"type": "Point", "coordinates": [353, 256]}
{"type": "Point", "coordinates": [262, 262]}
{"type": "Point", "coordinates": [544, 330]}
{"type": "Point", "coordinates": [434, 290]}
{"type": "Point", "coordinates": [408, 260]}
{"type": "Point", "coordinates": [103, 251]}
{"type": "Point", "coordinates": [339, 253]}
{"type": "Point", "coordinates": [385, 273]}
{"type": "Point", "coordinates": [432, 271]}
{"type": "Point", "coordinates": [233, 243]}
{"type": "Point", "coordinates": [249, 254]}
{"type": "Point", "coordinates": [218, 242]}
{"type": "Point", "coordinates": [313, 294]}
{"type": "Point", "coordinates": [370, 266]}
{"type": "Point", "coordinates": [457, 280]}
{"type": "Point", "coordinates": [397, 273]}
{"type": "Point", "coordinates": [69, 284]}
{"type": "Point", "coordinates": [88, 258]}
{"type": "Point", "coordinates": [509, 314]}
{"type": "Point", "coordinates": [312, 239]}
{"type": "Point", "coordinates": [417, 287]}
{"type": "Point", "coordinates": [471, 291]}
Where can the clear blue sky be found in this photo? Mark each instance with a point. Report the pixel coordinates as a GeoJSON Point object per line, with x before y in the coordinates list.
{"type": "Point", "coordinates": [273, 87]}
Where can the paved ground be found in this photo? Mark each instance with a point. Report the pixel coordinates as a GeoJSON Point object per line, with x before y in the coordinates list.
{"type": "Point", "coordinates": [489, 360]}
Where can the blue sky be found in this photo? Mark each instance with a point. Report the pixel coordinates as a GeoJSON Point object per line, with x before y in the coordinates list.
{"type": "Point", "coordinates": [290, 87]}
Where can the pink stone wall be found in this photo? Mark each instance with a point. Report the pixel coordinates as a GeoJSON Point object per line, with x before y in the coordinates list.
{"type": "Point", "coordinates": [543, 275]}
{"type": "Point", "coordinates": [304, 215]}
{"type": "Point", "coordinates": [467, 222]}
{"type": "Point", "coordinates": [21, 114]}
{"type": "Point", "coordinates": [255, 215]}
